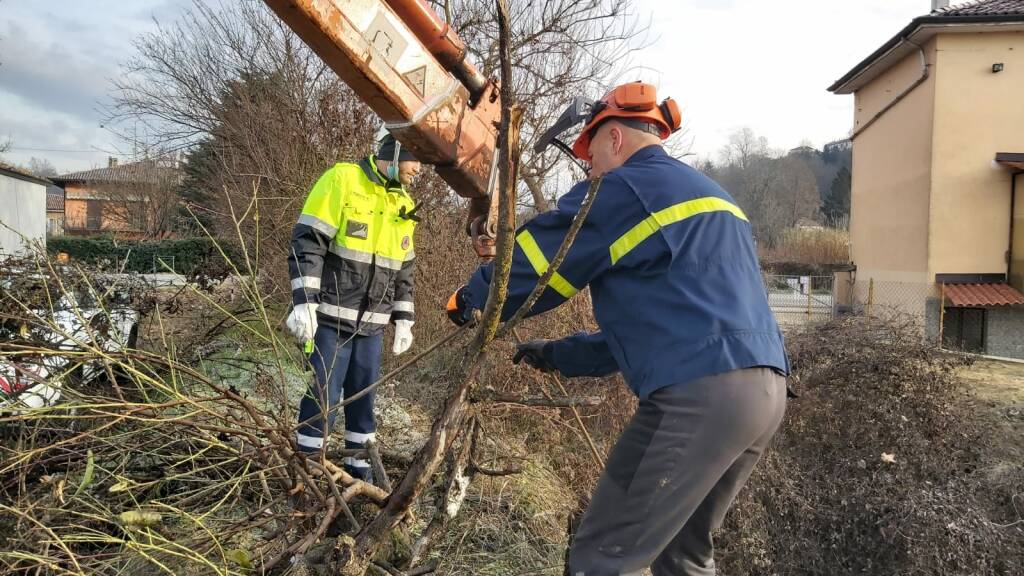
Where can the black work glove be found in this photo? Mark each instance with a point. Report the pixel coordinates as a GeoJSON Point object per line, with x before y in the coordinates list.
{"type": "Point", "coordinates": [536, 353]}
{"type": "Point", "coordinates": [456, 308]}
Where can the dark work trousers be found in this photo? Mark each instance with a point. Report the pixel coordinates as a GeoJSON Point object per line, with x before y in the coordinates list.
{"type": "Point", "coordinates": [342, 366]}
{"type": "Point", "coordinates": [673, 474]}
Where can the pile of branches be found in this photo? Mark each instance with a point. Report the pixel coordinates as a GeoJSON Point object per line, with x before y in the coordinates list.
{"type": "Point", "coordinates": [150, 465]}
{"type": "Point", "coordinates": [878, 468]}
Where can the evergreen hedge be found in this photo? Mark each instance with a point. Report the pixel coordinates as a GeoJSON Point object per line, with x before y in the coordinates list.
{"type": "Point", "coordinates": [185, 256]}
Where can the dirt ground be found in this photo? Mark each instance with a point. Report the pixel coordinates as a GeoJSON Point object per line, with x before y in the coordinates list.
{"type": "Point", "coordinates": [997, 393]}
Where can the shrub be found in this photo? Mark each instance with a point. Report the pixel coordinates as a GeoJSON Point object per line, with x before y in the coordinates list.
{"type": "Point", "coordinates": [186, 256]}
{"type": "Point", "coordinates": [811, 246]}
{"type": "Point", "coordinates": [824, 500]}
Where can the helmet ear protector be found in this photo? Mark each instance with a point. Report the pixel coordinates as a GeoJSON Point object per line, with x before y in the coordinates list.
{"type": "Point", "coordinates": [637, 97]}
{"type": "Point", "coordinates": [636, 102]}
{"type": "Point", "coordinates": [670, 111]}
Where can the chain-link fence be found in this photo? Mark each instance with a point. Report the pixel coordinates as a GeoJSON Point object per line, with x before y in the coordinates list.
{"type": "Point", "coordinates": [801, 299]}
{"type": "Point", "coordinates": [918, 300]}
{"type": "Point", "coordinates": [996, 331]}
{"type": "Point", "coordinates": [952, 327]}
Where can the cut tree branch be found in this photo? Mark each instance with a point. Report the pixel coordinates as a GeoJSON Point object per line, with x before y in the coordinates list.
{"type": "Point", "coordinates": [492, 395]}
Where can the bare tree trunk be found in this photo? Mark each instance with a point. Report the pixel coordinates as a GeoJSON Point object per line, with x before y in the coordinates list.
{"type": "Point", "coordinates": [450, 502]}
{"type": "Point", "coordinates": [356, 560]}
{"type": "Point", "coordinates": [539, 201]}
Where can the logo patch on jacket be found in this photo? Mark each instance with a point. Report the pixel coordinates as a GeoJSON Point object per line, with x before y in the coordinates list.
{"type": "Point", "coordinates": [405, 242]}
{"type": "Point", "coordinates": [356, 229]}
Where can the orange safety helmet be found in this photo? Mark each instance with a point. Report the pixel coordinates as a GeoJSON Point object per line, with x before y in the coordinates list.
{"type": "Point", "coordinates": [637, 101]}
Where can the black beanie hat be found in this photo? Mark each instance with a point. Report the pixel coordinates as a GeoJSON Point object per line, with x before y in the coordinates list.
{"type": "Point", "coordinates": [386, 151]}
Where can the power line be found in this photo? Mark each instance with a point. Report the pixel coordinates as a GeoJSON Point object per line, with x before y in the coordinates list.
{"type": "Point", "coordinates": [93, 151]}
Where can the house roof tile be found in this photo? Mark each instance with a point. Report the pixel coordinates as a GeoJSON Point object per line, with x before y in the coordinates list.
{"type": "Point", "coordinates": [983, 8]}
{"type": "Point", "coordinates": [996, 294]}
{"type": "Point", "coordinates": [144, 171]}
{"type": "Point", "coordinates": [22, 174]}
{"type": "Point", "coordinates": [54, 199]}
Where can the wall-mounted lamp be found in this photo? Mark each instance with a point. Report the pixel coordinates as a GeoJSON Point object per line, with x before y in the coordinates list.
{"type": "Point", "coordinates": [997, 67]}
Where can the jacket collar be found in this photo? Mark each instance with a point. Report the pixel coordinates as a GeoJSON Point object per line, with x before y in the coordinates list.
{"type": "Point", "coordinates": [646, 153]}
{"type": "Point", "coordinates": [369, 166]}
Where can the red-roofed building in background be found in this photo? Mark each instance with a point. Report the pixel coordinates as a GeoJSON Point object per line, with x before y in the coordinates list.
{"type": "Point", "coordinates": [121, 199]}
{"type": "Point", "coordinates": [54, 210]}
{"type": "Point", "coordinates": [937, 200]}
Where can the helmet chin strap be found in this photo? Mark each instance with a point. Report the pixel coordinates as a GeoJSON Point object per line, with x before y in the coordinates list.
{"type": "Point", "coordinates": [567, 150]}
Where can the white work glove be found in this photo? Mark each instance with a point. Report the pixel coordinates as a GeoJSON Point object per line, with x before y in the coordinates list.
{"type": "Point", "coordinates": [302, 322]}
{"type": "Point", "coordinates": [403, 336]}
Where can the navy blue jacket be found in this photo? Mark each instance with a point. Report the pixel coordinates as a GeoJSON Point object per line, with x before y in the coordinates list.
{"type": "Point", "coordinates": [672, 270]}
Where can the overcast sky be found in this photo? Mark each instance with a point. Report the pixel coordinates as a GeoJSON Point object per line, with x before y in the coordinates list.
{"type": "Point", "coordinates": [729, 63]}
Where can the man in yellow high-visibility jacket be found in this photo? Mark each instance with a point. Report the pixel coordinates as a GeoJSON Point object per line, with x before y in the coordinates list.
{"type": "Point", "coordinates": [351, 268]}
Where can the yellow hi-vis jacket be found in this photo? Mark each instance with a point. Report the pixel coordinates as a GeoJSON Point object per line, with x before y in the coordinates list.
{"type": "Point", "coordinates": [352, 249]}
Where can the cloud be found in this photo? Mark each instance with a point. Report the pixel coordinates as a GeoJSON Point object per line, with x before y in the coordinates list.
{"type": "Point", "coordinates": [163, 10]}
{"type": "Point", "coordinates": [50, 75]}
{"type": "Point", "coordinates": [729, 63]}
{"type": "Point", "coordinates": [56, 63]}
{"type": "Point", "coordinates": [31, 131]}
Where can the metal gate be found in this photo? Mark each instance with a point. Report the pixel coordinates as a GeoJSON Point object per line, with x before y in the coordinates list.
{"type": "Point", "coordinates": [799, 299]}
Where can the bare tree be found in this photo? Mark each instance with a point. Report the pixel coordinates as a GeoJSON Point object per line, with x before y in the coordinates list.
{"type": "Point", "coordinates": [560, 49]}
{"type": "Point", "coordinates": [797, 191]}
{"type": "Point", "coordinates": [775, 192]}
{"type": "Point", "coordinates": [260, 114]}
{"type": "Point", "coordinates": [40, 167]}
{"type": "Point", "coordinates": [745, 148]}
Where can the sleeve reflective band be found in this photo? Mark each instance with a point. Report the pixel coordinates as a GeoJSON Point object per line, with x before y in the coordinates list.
{"type": "Point", "coordinates": [670, 215]}
{"type": "Point", "coordinates": [306, 282]}
{"type": "Point", "coordinates": [403, 306]}
{"type": "Point", "coordinates": [318, 224]}
{"type": "Point", "coordinates": [540, 264]}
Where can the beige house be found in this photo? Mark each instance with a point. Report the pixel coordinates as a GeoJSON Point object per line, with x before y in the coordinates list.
{"type": "Point", "coordinates": [937, 204]}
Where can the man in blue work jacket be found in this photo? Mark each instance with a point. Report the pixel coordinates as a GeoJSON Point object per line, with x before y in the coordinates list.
{"type": "Point", "coordinates": [677, 293]}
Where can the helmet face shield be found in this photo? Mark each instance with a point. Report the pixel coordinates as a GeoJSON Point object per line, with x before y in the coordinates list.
{"type": "Point", "coordinates": [577, 112]}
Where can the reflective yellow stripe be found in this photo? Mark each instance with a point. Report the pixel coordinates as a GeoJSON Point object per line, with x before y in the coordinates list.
{"type": "Point", "coordinates": [670, 215]}
{"type": "Point", "coordinates": [540, 264]}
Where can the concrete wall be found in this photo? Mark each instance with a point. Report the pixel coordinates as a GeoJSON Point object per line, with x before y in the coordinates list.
{"type": "Point", "coordinates": [891, 176]}
{"type": "Point", "coordinates": [1004, 332]}
{"type": "Point", "coordinates": [23, 208]}
{"type": "Point", "coordinates": [977, 114]}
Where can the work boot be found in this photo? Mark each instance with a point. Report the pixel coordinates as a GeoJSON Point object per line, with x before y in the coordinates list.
{"type": "Point", "coordinates": [364, 473]}
{"type": "Point", "coordinates": [358, 468]}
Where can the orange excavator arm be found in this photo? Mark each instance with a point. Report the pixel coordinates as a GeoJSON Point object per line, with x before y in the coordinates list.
{"type": "Point", "coordinates": [411, 69]}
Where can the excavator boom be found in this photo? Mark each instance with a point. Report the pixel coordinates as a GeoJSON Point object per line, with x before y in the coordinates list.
{"type": "Point", "coordinates": [410, 68]}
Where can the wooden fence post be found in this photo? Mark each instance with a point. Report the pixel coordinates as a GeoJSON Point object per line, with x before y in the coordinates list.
{"type": "Point", "coordinates": [871, 295]}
